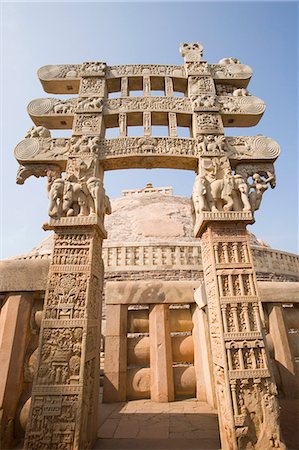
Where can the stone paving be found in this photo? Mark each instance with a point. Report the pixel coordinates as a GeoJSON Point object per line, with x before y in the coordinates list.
{"type": "Point", "coordinates": [142, 424]}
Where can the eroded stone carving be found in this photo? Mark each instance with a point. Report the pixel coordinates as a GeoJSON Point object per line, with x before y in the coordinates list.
{"type": "Point", "coordinates": [262, 176]}
{"type": "Point", "coordinates": [56, 198]}
{"type": "Point", "coordinates": [90, 103]}
{"type": "Point", "coordinates": [80, 193]}
{"type": "Point", "coordinates": [228, 61]}
{"type": "Point", "coordinates": [38, 132]}
{"type": "Point", "coordinates": [198, 85]}
{"type": "Point", "coordinates": [216, 188]}
{"type": "Point", "coordinates": [92, 86]}
{"type": "Point", "coordinates": [87, 123]}
{"type": "Point", "coordinates": [191, 51]}
{"type": "Point", "coordinates": [50, 72]}
{"type": "Point", "coordinates": [45, 106]}
{"type": "Point", "coordinates": [145, 69]}
{"type": "Point", "coordinates": [93, 68]}
{"type": "Point", "coordinates": [207, 124]}
{"type": "Point", "coordinates": [204, 102]}
{"type": "Point", "coordinates": [147, 103]}
{"type": "Point", "coordinates": [230, 70]}
{"type": "Point", "coordinates": [38, 170]}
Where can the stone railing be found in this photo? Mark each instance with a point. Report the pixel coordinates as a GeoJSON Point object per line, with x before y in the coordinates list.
{"type": "Point", "coordinates": [138, 256]}
{"type": "Point", "coordinates": [184, 255]}
{"type": "Point", "coordinates": [267, 260]}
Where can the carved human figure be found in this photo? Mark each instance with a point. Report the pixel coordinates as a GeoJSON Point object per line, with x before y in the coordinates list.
{"type": "Point", "coordinates": [260, 186]}
{"type": "Point", "coordinates": [55, 198]}
{"type": "Point", "coordinates": [199, 195]}
{"type": "Point", "coordinates": [243, 188]}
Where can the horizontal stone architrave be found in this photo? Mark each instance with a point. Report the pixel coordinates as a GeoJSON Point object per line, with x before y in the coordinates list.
{"type": "Point", "coordinates": [150, 292]}
{"type": "Point", "coordinates": [278, 291]}
{"type": "Point", "coordinates": [169, 152]}
{"type": "Point", "coordinates": [175, 292]}
{"type": "Point", "coordinates": [65, 78]}
{"type": "Point", "coordinates": [241, 111]}
{"type": "Point", "coordinates": [24, 275]}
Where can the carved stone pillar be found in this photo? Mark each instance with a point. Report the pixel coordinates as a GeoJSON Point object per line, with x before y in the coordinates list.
{"type": "Point", "coordinates": [66, 386]}
{"type": "Point", "coordinates": [162, 384]}
{"type": "Point", "coordinates": [246, 393]}
{"type": "Point", "coordinates": [65, 391]}
{"type": "Point", "coordinates": [223, 205]}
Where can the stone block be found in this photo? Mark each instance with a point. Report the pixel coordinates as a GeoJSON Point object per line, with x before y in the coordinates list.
{"type": "Point", "coordinates": [160, 354]}
{"type": "Point", "coordinates": [116, 320]}
{"type": "Point", "coordinates": [114, 387]}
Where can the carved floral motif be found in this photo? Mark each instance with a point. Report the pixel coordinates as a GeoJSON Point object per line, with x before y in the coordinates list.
{"type": "Point", "coordinates": [92, 86]}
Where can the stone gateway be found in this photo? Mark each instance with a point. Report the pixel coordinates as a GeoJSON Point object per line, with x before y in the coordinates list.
{"type": "Point", "coordinates": [231, 176]}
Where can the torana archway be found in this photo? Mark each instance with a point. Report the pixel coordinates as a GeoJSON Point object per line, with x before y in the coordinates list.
{"type": "Point", "coordinates": [232, 173]}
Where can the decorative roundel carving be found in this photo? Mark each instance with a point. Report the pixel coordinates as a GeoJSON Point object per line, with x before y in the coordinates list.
{"type": "Point", "coordinates": [48, 72]}
{"type": "Point", "coordinates": [40, 106]}
{"type": "Point", "coordinates": [251, 105]}
{"type": "Point", "coordinates": [27, 149]}
{"type": "Point", "coordinates": [266, 147]}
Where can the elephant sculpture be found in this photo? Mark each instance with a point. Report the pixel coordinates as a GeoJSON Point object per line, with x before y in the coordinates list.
{"type": "Point", "coordinates": [55, 198]}
{"type": "Point", "coordinates": [62, 108]}
{"type": "Point", "coordinates": [75, 201]}
{"type": "Point", "coordinates": [219, 194]}
{"type": "Point", "coordinates": [230, 193]}
{"type": "Point", "coordinates": [99, 203]}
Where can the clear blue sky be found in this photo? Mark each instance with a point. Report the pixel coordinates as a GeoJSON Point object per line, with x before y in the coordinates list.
{"type": "Point", "coordinates": [263, 35]}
